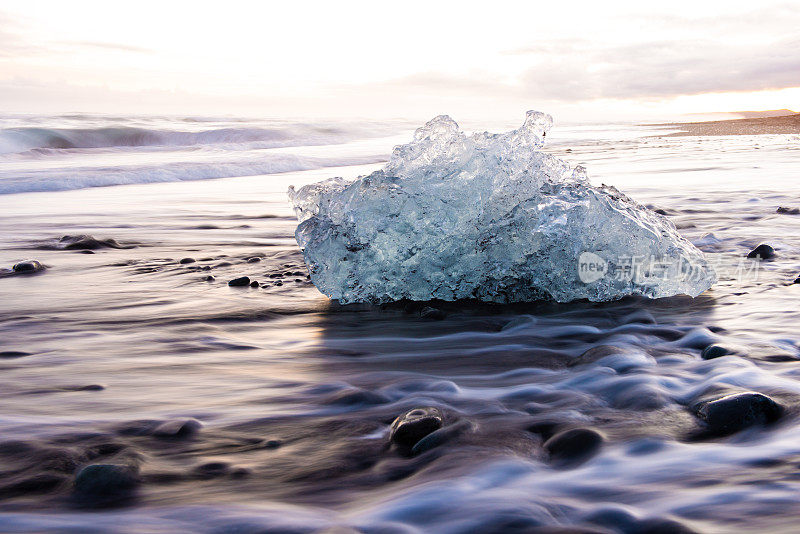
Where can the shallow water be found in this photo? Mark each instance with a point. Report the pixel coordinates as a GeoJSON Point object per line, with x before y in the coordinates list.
{"type": "Point", "coordinates": [296, 394]}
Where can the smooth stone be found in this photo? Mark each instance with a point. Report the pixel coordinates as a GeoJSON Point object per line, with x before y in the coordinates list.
{"type": "Point", "coordinates": [212, 469]}
{"type": "Point", "coordinates": [441, 436]}
{"type": "Point", "coordinates": [88, 242]}
{"type": "Point", "coordinates": [242, 281]}
{"type": "Point", "coordinates": [253, 284]}
{"type": "Point", "coordinates": [432, 314]}
{"type": "Point", "coordinates": [28, 266]}
{"type": "Point", "coordinates": [253, 260]}
{"type": "Point", "coordinates": [762, 251]}
{"type": "Point", "coordinates": [209, 278]}
{"type": "Point", "coordinates": [796, 280]}
{"type": "Point", "coordinates": [278, 283]}
{"type": "Point", "coordinates": [736, 412]}
{"type": "Point", "coordinates": [574, 445]}
{"type": "Point", "coordinates": [187, 260]}
{"type": "Point", "coordinates": [178, 429]}
{"type": "Point", "coordinates": [788, 211]}
{"type": "Point", "coordinates": [106, 480]}
{"type": "Point", "coordinates": [714, 351]}
{"type": "Point", "coordinates": [90, 387]}
{"type": "Point", "coordinates": [9, 354]}
{"type": "Point", "coordinates": [414, 425]}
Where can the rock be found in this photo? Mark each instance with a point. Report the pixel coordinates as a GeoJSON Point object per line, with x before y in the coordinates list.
{"type": "Point", "coordinates": [85, 251]}
{"type": "Point", "coordinates": [209, 278]}
{"type": "Point", "coordinates": [242, 281]}
{"type": "Point", "coordinates": [414, 425]}
{"type": "Point", "coordinates": [545, 427]}
{"type": "Point", "coordinates": [88, 242]}
{"type": "Point", "coordinates": [736, 412]}
{"type": "Point", "coordinates": [441, 436]}
{"type": "Point", "coordinates": [90, 387]}
{"type": "Point", "coordinates": [180, 428]}
{"type": "Point", "coordinates": [187, 260]}
{"type": "Point", "coordinates": [272, 444]}
{"type": "Point", "coordinates": [212, 469]}
{"type": "Point", "coordinates": [253, 284]}
{"type": "Point", "coordinates": [762, 252]}
{"type": "Point", "coordinates": [253, 260]}
{"type": "Point", "coordinates": [9, 354]}
{"type": "Point", "coordinates": [106, 481]}
{"type": "Point", "coordinates": [714, 351]}
{"type": "Point", "coordinates": [432, 314]}
{"type": "Point", "coordinates": [788, 211]}
{"type": "Point", "coordinates": [28, 267]}
{"type": "Point", "coordinates": [796, 280]}
{"type": "Point", "coordinates": [278, 283]}
{"type": "Point", "coordinates": [574, 445]}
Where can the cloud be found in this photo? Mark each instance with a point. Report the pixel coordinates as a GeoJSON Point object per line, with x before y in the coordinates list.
{"type": "Point", "coordinates": [109, 46]}
{"type": "Point", "coordinates": [580, 70]}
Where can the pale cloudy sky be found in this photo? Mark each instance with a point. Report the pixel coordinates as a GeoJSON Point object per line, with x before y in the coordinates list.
{"type": "Point", "coordinates": [401, 59]}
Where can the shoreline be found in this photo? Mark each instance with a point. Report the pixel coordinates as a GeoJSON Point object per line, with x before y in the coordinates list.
{"type": "Point", "coordinates": [785, 124]}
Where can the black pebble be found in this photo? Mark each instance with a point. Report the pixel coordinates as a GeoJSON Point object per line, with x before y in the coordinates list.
{"type": "Point", "coordinates": [441, 436]}
{"type": "Point", "coordinates": [240, 282]}
{"type": "Point", "coordinates": [28, 266]}
{"type": "Point", "coordinates": [13, 354]}
{"type": "Point", "coordinates": [278, 283]}
{"type": "Point", "coordinates": [253, 260]}
{"type": "Point", "coordinates": [432, 314]}
{"type": "Point", "coordinates": [714, 351]}
{"type": "Point", "coordinates": [762, 251]}
{"type": "Point", "coordinates": [788, 211]}
{"type": "Point", "coordinates": [253, 284]}
{"type": "Point", "coordinates": [90, 387]}
{"type": "Point", "coordinates": [796, 280]}
{"type": "Point", "coordinates": [209, 278]}
{"type": "Point", "coordinates": [106, 481]}
{"type": "Point", "coordinates": [86, 251]}
{"type": "Point", "coordinates": [574, 445]}
{"type": "Point", "coordinates": [736, 412]}
{"type": "Point", "coordinates": [212, 469]}
{"type": "Point", "coordinates": [178, 429]}
{"type": "Point", "coordinates": [187, 260]}
{"type": "Point", "coordinates": [414, 425]}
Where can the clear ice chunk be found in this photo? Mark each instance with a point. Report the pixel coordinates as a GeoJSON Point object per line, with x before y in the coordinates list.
{"type": "Point", "coordinates": [489, 217]}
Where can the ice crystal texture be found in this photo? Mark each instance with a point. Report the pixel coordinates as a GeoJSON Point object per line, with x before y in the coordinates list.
{"type": "Point", "coordinates": [490, 217]}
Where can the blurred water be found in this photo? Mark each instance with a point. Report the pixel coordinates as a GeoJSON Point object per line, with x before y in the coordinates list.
{"type": "Point", "coordinates": [296, 393]}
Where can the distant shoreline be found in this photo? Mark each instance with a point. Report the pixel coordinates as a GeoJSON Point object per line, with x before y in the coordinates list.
{"type": "Point", "coordinates": [787, 124]}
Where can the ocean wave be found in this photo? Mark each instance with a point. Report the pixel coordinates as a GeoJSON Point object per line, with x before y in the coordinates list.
{"type": "Point", "coordinates": [40, 180]}
{"type": "Point", "coordinates": [25, 139]}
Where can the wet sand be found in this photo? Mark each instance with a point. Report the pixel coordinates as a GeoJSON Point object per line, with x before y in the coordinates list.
{"type": "Point", "coordinates": [789, 124]}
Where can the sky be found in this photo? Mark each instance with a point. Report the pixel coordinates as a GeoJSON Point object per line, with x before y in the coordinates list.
{"type": "Point", "coordinates": [577, 60]}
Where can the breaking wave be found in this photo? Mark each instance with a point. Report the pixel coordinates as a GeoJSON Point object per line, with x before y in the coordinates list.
{"type": "Point", "coordinates": [24, 139]}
